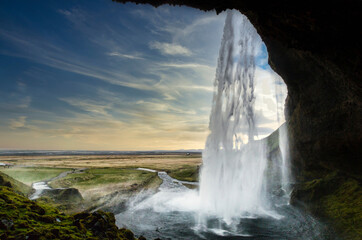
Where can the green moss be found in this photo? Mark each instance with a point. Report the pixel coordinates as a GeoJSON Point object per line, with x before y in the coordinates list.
{"type": "Point", "coordinates": [127, 234]}
{"type": "Point", "coordinates": [21, 218]}
{"type": "Point", "coordinates": [337, 199]}
{"type": "Point", "coordinates": [345, 207]}
{"type": "Point", "coordinates": [186, 173]}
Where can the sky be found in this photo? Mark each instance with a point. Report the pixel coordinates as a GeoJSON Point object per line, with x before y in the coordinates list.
{"type": "Point", "coordinates": [99, 75]}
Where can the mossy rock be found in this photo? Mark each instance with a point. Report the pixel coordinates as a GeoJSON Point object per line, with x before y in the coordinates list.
{"type": "Point", "coordinates": [21, 218]}
{"type": "Point", "coordinates": [335, 198]}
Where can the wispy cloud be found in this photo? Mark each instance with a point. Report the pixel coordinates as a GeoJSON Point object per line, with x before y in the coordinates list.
{"type": "Point", "coordinates": [24, 102]}
{"type": "Point", "coordinates": [88, 105]}
{"type": "Point", "coordinates": [59, 58]}
{"type": "Point", "coordinates": [121, 55]}
{"type": "Point", "coordinates": [21, 86]}
{"type": "Point", "coordinates": [64, 12]}
{"type": "Point", "coordinates": [180, 33]}
{"type": "Point", "coordinates": [163, 107]}
{"type": "Point", "coordinates": [170, 48]}
{"type": "Point", "coordinates": [187, 65]}
{"type": "Point", "coordinates": [18, 123]}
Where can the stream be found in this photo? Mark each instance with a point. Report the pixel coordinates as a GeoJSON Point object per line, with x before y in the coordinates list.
{"type": "Point", "coordinates": [39, 187]}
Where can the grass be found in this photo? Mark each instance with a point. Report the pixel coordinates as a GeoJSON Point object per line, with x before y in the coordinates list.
{"type": "Point", "coordinates": [18, 187]}
{"type": "Point", "coordinates": [160, 162]}
{"type": "Point", "coordinates": [186, 173]}
{"type": "Point", "coordinates": [104, 186]}
{"type": "Point", "coordinates": [105, 180]}
{"type": "Point", "coordinates": [29, 175]}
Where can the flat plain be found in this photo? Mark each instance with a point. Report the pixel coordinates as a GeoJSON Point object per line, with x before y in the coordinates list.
{"type": "Point", "coordinates": [165, 162]}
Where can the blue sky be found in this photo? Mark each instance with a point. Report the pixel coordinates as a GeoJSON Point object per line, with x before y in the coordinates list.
{"type": "Point", "coordinates": [99, 75]}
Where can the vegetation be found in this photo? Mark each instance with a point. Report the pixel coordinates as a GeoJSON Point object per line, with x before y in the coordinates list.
{"type": "Point", "coordinates": [154, 161]}
{"type": "Point", "coordinates": [29, 175]}
{"type": "Point", "coordinates": [17, 186]}
{"type": "Point", "coordinates": [186, 173]}
{"type": "Point", "coordinates": [45, 218]}
{"type": "Point", "coordinates": [21, 218]}
{"type": "Point", "coordinates": [338, 199]}
{"type": "Point", "coordinates": [102, 177]}
{"type": "Point", "coordinates": [345, 206]}
{"type": "Point", "coordinates": [105, 188]}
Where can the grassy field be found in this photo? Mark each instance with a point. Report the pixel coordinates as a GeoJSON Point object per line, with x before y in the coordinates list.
{"type": "Point", "coordinates": [165, 162]}
{"type": "Point", "coordinates": [186, 173]}
{"type": "Point", "coordinates": [101, 181]}
{"type": "Point", "coordinates": [29, 175]}
{"type": "Point", "coordinates": [179, 166]}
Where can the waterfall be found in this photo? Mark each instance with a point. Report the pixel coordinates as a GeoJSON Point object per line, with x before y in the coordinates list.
{"type": "Point", "coordinates": [231, 182]}
{"type": "Point", "coordinates": [232, 177]}
{"type": "Point", "coordinates": [285, 167]}
{"type": "Point", "coordinates": [244, 187]}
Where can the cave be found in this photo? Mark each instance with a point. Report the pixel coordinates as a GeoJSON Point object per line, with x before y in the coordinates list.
{"type": "Point", "coordinates": [316, 49]}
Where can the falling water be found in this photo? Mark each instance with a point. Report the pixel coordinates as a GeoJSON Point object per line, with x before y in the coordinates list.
{"type": "Point", "coordinates": [232, 183]}
{"type": "Point", "coordinates": [285, 167]}
{"type": "Point", "coordinates": [245, 182]}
